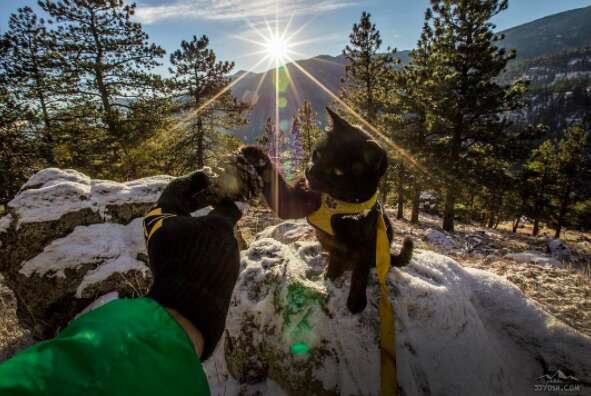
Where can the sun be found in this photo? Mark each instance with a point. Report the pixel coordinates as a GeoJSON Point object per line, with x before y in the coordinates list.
{"type": "Point", "coordinates": [277, 48]}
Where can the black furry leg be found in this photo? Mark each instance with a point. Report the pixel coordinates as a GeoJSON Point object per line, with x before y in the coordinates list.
{"type": "Point", "coordinates": [403, 258]}
{"type": "Point", "coordinates": [357, 298]}
{"type": "Point", "coordinates": [335, 267]}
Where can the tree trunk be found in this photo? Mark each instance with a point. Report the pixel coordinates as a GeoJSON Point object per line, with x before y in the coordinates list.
{"type": "Point", "coordinates": [491, 220]}
{"type": "Point", "coordinates": [400, 212]}
{"type": "Point", "coordinates": [516, 224]}
{"type": "Point", "coordinates": [416, 202]}
{"type": "Point", "coordinates": [558, 230]}
{"type": "Point", "coordinates": [200, 144]}
{"type": "Point", "coordinates": [109, 116]}
{"type": "Point", "coordinates": [536, 229]}
{"type": "Point", "coordinates": [562, 213]}
{"type": "Point", "coordinates": [47, 149]}
{"type": "Point", "coordinates": [449, 211]}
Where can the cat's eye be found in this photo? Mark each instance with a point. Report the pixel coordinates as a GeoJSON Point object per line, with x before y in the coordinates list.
{"type": "Point", "coordinates": [338, 172]}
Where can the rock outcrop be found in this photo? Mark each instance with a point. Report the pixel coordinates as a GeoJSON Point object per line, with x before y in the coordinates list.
{"type": "Point", "coordinates": [67, 239]}
{"type": "Point", "coordinates": [460, 331]}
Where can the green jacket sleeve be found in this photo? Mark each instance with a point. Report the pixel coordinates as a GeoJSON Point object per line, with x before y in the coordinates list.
{"type": "Point", "coordinates": [126, 347]}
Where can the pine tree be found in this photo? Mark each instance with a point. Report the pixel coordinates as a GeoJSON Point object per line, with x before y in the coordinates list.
{"type": "Point", "coordinates": [368, 73]}
{"type": "Point", "coordinates": [273, 142]}
{"type": "Point", "coordinates": [31, 67]}
{"type": "Point", "coordinates": [412, 101]}
{"type": "Point", "coordinates": [539, 175]}
{"type": "Point", "coordinates": [19, 148]}
{"type": "Point", "coordinates": [366, 69]}
{"type": "Point", "coordinates": [466, 104]}
{"type": "Point", "coordinates": [310, 131]}
{"type": "Point", "coordinates": [294, 151]}
{"type": "Point", "coordinates": [573, 173]}
{"type": "Point", "coordinates": [108, 52]}
{"type": "Point", "coordinates": [264, 138]}
{"type": "Point", "coordinates": [198, 76]}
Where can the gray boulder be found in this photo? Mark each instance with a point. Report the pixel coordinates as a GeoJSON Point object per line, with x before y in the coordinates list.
{"type": "Point", "coordinates": [67, 239]}
{"type": "Point", "coordinates": [459, 331]}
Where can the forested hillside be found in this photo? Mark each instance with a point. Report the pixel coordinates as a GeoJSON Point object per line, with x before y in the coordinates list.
{"type": "Point", "coordinates": [490, 134]}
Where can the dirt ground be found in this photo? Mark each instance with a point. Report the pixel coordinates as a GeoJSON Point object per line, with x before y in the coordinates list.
{"type": "Point", "coordinates": [564, 292]}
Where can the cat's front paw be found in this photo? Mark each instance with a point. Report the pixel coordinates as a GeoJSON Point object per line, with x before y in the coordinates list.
{"type": "Point", "coordinates": [356, 304]}
{"type": "Point", "coordinates": [256, 156]}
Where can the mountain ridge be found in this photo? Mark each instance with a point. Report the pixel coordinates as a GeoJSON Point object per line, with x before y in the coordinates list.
{"type": "Point", "coordinates": [541, 37]}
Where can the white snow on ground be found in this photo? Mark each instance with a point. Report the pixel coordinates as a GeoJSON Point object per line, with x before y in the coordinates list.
{"type": "Point", "coordinates": [436, 237]}
{"type": "Point", "coordinates": [51, 193]}
{"type": "Point", "coordinates": [221, 383]}
{"type": "Point", "coordinates": [534, 258]}
{"type": "Point", "coordinates": [559, 248]}
{"type": "Point", "coordinates": [51, 175]}
{"type": "Point", "coordinates": [5, 222]}
{"type": "Point", "coordinates": [113, 246]}
{"type": "Point", "coordinates": [459, 331]}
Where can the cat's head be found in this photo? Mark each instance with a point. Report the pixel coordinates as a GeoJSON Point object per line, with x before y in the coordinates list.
{"type": "Point", "coordinates": [347, 163]}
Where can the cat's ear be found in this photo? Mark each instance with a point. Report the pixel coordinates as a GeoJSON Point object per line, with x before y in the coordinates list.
{"type": "Point", "coordinates": [338, 123]}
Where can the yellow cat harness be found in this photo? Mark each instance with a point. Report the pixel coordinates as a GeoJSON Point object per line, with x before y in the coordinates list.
{"type": "Point", "coordinates": [321, 220]}
{"type": "Point", "coordinates": [331, 206]}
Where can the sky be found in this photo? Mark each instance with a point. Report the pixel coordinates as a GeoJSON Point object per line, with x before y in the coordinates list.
{"type": "Point", "coordinates": [322, 26]}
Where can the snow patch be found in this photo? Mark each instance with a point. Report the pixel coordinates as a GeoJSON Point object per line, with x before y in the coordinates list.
{"type": "Point", "coordinates": [5, 222]}
{"type": "Point", "coordinates": [459, 331]}
{"type": "Point", "coordinates": [52, 193]}
{"type": "Point", "coordinates": [114, 247]}
{"type": "Point", "coordinates": [534, 257]}
{"type": "Point", "coordinates": [558, 248]}
{"type": "Point", "coordinates": [436, 237]}
{"type": "Point", "coordinates": [120, 265]}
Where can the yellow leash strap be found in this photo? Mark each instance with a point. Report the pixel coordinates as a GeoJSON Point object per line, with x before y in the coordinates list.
{"type": "Point", "coordinates": [389, 380]}
{"type": "Point", "coordinates": [153, 220]}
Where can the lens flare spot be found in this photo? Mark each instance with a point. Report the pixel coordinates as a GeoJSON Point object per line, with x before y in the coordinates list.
{"type": "Point", "coordinates": [284, 125]}
{"type": "Point", "coordinates": [299, 349]}
{"type": "Point", "coordinates": [282, 102]}
{"type": "Point", "coordinates": [281, 79]}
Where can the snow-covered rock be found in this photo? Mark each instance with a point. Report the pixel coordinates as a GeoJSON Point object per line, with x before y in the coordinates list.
{"type": "Point", "coordinates": [68, 239]}
{"type": "Point", "coordinates": [459, 331]}
{"type": "Point", "coordinates": [534, 258]}
{"type": "Point", "coordinates": [558, 248]}
{"type": "Point", "coordinates": [436, 237]}
{"type": "Point", "coordinates": [51, 193]}
{"type": "Point", "coordinates": [428, 201]}
{"type": "Point", "coordinates": [114, 247]}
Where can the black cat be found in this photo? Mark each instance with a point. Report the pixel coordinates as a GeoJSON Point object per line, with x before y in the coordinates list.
{"type": "Point", "coordinates": [345, 170]}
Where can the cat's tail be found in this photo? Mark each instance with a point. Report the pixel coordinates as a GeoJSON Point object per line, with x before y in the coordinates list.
{"type": "Point", "coordinates": [403, 258]}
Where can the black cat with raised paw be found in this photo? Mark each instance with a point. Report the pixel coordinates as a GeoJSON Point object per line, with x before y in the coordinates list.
{"type": "Point", "coordinates": [338, 196]}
